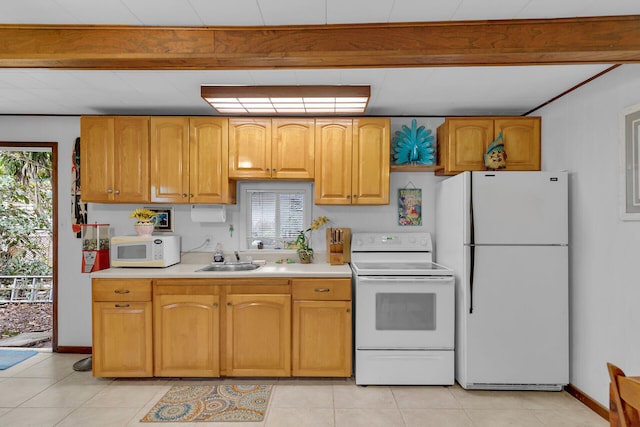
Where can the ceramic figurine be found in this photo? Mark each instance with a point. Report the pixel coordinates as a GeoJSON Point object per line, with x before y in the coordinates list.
{"type": "Point", "coordinates": [496, 158]}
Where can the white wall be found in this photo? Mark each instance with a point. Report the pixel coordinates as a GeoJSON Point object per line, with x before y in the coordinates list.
{"type": "Point", "coordinates": [580, 133]}
{"type": "Point", "coordinates": [74, 290]}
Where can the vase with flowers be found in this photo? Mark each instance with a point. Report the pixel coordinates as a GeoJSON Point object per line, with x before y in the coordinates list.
{"type": "Point", "coordinates": [303, 242]}
{"type": "Point", "coordinates": [146, 221]}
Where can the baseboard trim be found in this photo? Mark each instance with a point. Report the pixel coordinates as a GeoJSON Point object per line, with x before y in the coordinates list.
{"type": "Point", "coordinates": [71, 349]}
{"type": "Point", "coordinates": [588, 401]}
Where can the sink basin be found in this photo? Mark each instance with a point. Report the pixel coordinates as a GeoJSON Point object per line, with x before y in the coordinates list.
{"type": "Point", "coordinates": [230, 267]}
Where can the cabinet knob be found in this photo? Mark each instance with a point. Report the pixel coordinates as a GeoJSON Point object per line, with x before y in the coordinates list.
{"type": "Point", "coordinates": [274, 170]}
{"type": "Point", "coordinates": [348, 196]}
{"type": "Point", "coordinates": [266, 170]}
{"type": "Point", "coordinates": [321, 290]}
{"type": "Point", "coordinates": [116, 192]}
{"type": "Point", "coordinates": [109, 191]}
{"type": "Point", "coordinates": [122, 291]}
{"type": "Point", "coordinates": [122, 305]}
{"type": "Point", "coordinates": [229, 304]}
{"type": "Point", "coordinates": [190, 195]}
{"type": "Point", "coordinates": [355, 196]}
{"type": "Point", "coordinates": [184, 194]}
{"type": "Point", "coordinates": [215, 304]}
{"type": "Point", "coordinates": [348, 310]}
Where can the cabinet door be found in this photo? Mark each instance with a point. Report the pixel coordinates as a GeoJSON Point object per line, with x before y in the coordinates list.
{"type": "Point", "coordinates": [521, 141]}
{"type": "Point", "coordinates": [250, 148]}
{"type": "Point", "coordinates": [468, 140]}
{"type": "Point", "coordinates": [371, 152]}
{"type": "Point", "coordinates": [170, 159]}
{"type": "Point", "coordinates": [258, 335]}
{"type": "Point", "coordinates": [209, 161]}
{"type": "Point", "coordinates": [322, 338]}
{"type": "Point", "coordinates": [96, 158]}
{"type": "Point", "coordinates": [122, 339]}
{"type": "Point", "coordinates": [292, 148]}
{"type": "Point", "coordinates": [131, 160]}
{"type": "Point", "coordinates": [187, 335]}
{"type": "Point", "coordinates": [333, 151]}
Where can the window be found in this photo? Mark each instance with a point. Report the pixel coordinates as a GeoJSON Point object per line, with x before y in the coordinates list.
{"type": "Point", "coordinates": [274, 213]}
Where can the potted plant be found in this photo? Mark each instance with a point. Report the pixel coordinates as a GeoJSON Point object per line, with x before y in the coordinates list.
{"type": "Point", "coordinates": [146, 221]}
{"type": "Point", "coordinates": [303, 242]}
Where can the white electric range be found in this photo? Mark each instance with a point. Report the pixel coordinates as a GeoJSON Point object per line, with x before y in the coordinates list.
{"type": "Point", "coordinates": [404, 311]}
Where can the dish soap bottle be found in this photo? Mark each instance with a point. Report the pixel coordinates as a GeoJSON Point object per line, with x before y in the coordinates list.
{"type": "Point", "coordinates": [218, 257]}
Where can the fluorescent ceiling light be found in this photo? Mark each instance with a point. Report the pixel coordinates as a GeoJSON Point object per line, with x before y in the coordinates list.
{"type": "Point", "coordinates": [287, 99]}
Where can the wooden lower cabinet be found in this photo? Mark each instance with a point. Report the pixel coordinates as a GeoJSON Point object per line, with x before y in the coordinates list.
{"type": "Point", "coordinates": [258, 335]}
{"type": "Point", "coordinates": [322, 324]}
{"type": "Point", "coordinates": [122, 328]}
{"type": "Point", "coordinates": [222, 327]}
{"type": "Point", "coordinates": [187, 337]}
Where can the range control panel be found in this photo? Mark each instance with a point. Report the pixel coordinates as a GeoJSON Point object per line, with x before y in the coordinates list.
{"type": "Point", "coordinates": [391, 242]}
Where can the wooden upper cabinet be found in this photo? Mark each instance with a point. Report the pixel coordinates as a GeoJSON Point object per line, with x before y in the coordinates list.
{"type": "Point", "coordinates": [371, 153]}
{"type": "Point", "coordinates": [463, 141]}
{"type": "Point", "coordinates": [249, 148]}
{"type": "Point", "coordinates": [209, 160]}
{"type": "Point", "coordinates": [333, 152]}
{"type": "Point", "coordinates": [170, 159]}
{"type": "Point", "coordinates": [189, 160]}
{"type": "Point", "coordinates": [264, 148]}
{"type": "Point", "coordinates": [352, 161]}
{"type": "Point", "coordinates": [114, 159]}
{"type": "Point", "coordinates": [292, 148]}
{"type": "Point", "coordinates": [521, 142]}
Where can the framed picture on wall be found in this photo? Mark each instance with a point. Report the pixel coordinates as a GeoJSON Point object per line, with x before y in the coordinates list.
{"type": "Point", "coordinates": [630, 164]}
{"type": "Point", "coordinates": [409, 206]}
{"type": "Point", "coordinates": [164, 220]}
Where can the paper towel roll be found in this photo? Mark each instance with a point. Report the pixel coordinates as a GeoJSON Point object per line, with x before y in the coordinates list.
{"type": "Point", "coordinates": [208, 213]}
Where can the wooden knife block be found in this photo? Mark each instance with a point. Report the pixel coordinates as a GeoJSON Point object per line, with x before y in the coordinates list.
{"type": "Point", "coordinates": [338, 245]}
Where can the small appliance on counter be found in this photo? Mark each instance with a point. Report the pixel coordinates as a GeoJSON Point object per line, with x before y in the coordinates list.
{"type": "Point", "coordinates": [145, 251]}
{"type": "Point", "coordinates": [95, 247]}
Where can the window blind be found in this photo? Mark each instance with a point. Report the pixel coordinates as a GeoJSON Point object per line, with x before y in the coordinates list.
{"type": "Point", "coordinates": [275, 217]}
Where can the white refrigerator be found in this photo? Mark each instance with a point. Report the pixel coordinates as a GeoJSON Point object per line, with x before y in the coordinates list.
{"type": "Point", "coordinates": [505, 234]}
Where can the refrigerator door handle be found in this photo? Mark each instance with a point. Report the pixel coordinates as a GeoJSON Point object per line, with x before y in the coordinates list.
{"type": "Point", "coordinates": [472, 241]}
{"type": "Point", "coordinates": [472, 253]}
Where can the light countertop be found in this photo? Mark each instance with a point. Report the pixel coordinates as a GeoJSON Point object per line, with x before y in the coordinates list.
{"type": "Point", "coordinates": [187, 269]}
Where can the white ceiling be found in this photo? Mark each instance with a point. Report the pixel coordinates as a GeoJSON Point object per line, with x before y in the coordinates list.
{"type": "Point", "coordinates": [395, 91]}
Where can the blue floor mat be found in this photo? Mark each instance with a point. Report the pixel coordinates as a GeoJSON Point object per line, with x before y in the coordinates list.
{"type": "Point", "coordinates": [8, 358]}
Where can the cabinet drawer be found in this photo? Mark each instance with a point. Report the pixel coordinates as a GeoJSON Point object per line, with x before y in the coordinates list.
{"type": "Point", "coordinates": [322, 289]}
{"type": "Point", "coordinates": [121, 290]}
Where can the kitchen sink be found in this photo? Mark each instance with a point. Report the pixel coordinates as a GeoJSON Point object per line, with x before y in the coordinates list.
{"type": "Point", "coordinates": [230, 267]}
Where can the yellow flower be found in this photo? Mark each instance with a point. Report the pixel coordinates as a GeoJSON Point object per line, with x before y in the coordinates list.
{"type": "Point", "coordinates": [302, 242]}
{"type": "Point", "coordinates": [318, 222]}
{"type": "Point", "coordinates": [143, 215]}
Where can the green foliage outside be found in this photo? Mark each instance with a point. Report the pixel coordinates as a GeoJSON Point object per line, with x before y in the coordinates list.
{"type": "Point", "coordinates": [25, 213]}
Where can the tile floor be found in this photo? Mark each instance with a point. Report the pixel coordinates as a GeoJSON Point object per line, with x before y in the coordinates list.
{"type": "Point", "coordinates": [45, 391]}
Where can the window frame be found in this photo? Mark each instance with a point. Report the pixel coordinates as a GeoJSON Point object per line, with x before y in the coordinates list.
{"type": "Point", "coordinates": [245, 189]}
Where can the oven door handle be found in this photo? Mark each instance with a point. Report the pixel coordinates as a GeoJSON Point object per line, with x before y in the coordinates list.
{"type": "Point", "coordinates": [405, 278]}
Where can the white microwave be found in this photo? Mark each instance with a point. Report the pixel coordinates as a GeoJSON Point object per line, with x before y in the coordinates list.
{"type": "Point", "coordinates": [139, 251]}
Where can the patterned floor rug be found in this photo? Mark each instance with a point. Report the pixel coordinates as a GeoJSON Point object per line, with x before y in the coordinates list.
{"type": "Point", "coordinates": [211, 403]}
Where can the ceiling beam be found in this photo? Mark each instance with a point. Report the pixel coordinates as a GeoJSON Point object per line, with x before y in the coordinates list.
{"type": "Point", "coordinates": [590, 40]}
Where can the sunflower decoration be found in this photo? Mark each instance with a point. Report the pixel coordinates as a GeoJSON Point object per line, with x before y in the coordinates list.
{"type": "Point", "coordinates": [415, 145]}
{"type": "Point", "coordinates": [143, 216]}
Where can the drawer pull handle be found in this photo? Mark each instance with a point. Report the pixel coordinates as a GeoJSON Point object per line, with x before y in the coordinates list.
{"type": "Point", "coordinates": [122, 305]}
{"type": "Point", "coordinates": [322, 290]}
{"type": "Point", "coordinates": [229, 304]}
{"type": "Point", "coordinates": [122, 291]}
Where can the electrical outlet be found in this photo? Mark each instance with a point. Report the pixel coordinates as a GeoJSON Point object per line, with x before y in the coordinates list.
{"type": "Point", "coordinates": [209, 243]}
